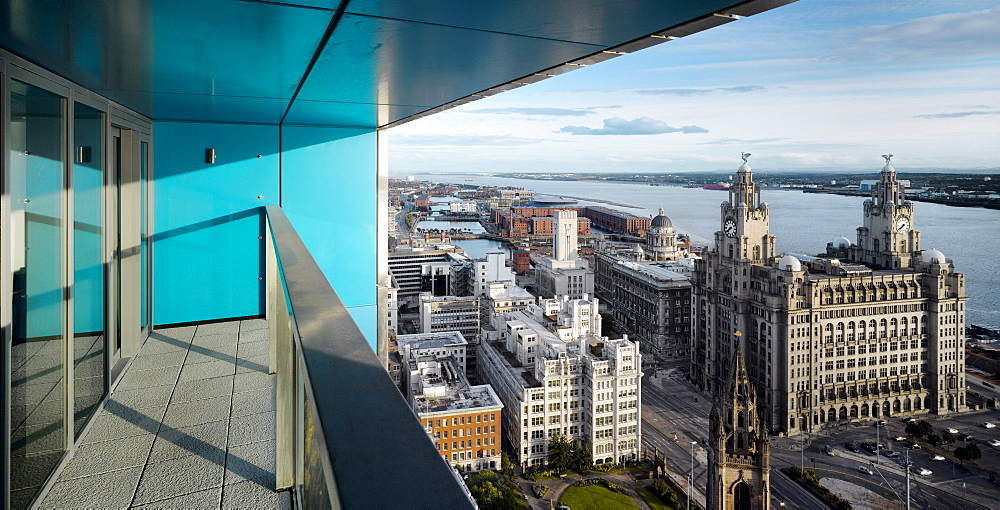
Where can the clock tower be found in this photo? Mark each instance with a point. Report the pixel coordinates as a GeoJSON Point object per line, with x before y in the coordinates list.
{"type": "Point", "coordinates": [745, 233]}
{"type": "Point", "coordinates": [887, 240]}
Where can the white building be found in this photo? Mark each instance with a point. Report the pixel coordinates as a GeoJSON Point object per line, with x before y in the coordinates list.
{"type": "Point", "coordinates": [564, 273]}
{"type": "Point", "coordinates": [442, 344]}
{"type": "Point", "coordinates": [450, 313]}
{"type": "Point", "coordinates": [463, 207]}
{"type": "Point", "coordinates": [557, 375]}
{"type": "Point", "coordinates": [407, 265]}
{"type": "Point", "coordinates": [489, 270]}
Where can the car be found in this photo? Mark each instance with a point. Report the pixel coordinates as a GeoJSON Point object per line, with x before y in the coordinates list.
{"type": "Point", "coordinates": [989, 425]}
{"type": "Point", "coordinates": [924, 472]}
{"type": "Point", "coordinates": [995, 442]}
{"type": "Point", "coordinates": [880, 422]}
{"type": "Point", "coordinates": [913, 446]}
{"type": "Point", "coordinates": [900, 438]}
{"type": "Point", "coordinates": [853, 448]}
{"type": "Point", "coordinates": [952, 431]}
{"type": "Point", "coordinates": [908, 420]}
{"type": "Point", "coordinates": [968, 437]}
{"type": "Point", "coordinates": [828, 450]}
{"type": "Point", "coordinates": [937, 458]}
{"type": "Point", "coordinates": [892, 455]}
{"type": "Point", "coordinates": [866, 470]}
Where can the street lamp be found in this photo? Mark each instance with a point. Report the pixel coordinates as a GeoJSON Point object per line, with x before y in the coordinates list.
{"type": "Point", "coordinates": [691, 478]}
{"type": "Point", "coordinates": [878, 444]}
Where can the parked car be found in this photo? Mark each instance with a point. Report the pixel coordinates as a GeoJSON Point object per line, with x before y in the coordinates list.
{"type": "Point", "coordinates": [908, 420]}
{"type": "Point", "coordinates": [853, 447]}
{"type": "Point", "coordinates": [866, 470]}
{"type": "Point", "coordinates": [913, 446]}
{"type": "Point", "coordinates": [989, 425]}
{"type": "Point", "coordinates": [892, 455]}
{"type": "Point", "coordinates": [900, 438]}
{"type": "Point", "coordinates": [952, 431]}
{"type": "Point", "coordinates": [937, 458]}
{"type": "Point", "coordinates": [995, 442]}
{"type": "Point", "coordinates": [828, 450]}
{"type": "Point", "coordinates": [924, 472]}
{"type": "Point", "coordinates": [968, 437]}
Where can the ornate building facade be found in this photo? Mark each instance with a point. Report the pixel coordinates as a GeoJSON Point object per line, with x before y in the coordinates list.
{"type": "Point", "coordinates": [868, 329]}
{"type": "Point", "coordinates": [738, 447]}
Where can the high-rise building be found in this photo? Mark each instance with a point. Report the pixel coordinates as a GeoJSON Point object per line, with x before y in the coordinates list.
{"type": "Point", "coordinates": [564, 273]}
{"type": "Point", "coordinates": [868, 329]}
{"type": "Point", "coordinates": [557, 375]}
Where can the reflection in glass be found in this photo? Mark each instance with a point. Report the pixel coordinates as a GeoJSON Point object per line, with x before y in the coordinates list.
{"type": "Point", "coordinates": [88, 263]}
{"type": "Point", "coordinates": [37, 411]}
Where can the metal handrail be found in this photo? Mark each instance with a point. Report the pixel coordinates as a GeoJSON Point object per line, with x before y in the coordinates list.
{"type": "Point", "coordinates": [346, 437]}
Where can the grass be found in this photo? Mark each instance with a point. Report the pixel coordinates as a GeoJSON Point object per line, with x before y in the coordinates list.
{"type": "Point", "coordinates": [653, 499]}
{"type": "Point", "coordinates": [595, 497]}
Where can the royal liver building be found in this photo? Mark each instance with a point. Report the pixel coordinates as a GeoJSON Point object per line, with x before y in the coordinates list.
{"type": "Point", "coordinates": [867, 329]}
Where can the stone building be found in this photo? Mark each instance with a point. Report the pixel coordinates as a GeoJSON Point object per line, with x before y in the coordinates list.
{"type": "Point", "coordinates": [868, 329]}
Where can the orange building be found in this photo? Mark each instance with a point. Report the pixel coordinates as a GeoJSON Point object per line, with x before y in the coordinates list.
{"type": "Point", "coordinates": [469, 438]}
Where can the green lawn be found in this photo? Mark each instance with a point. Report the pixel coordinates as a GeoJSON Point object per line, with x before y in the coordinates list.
{"type": "Point", "coordinates": [595, 497]}
{"type": "Point", "coordinates": [653, 499]}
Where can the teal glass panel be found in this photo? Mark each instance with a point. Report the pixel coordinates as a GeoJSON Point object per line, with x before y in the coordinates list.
{"type": "Point", "coordinates": [143, 234]}
{"type": "Point", "coordinates": [89, 277]}
{"type": "Point", "coordinates": [37, 410]}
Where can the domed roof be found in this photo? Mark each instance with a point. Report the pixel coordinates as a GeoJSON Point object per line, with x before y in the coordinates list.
{"type": "Point", "coordinates": [744, 167]}
{"type": "Point", "coordinates": [841, 242]}
{"type": "Point", "coordinates": [742, 204]}
{"type": "Point", "coordinates": [661, 221]}
{"type": "Point", "coordinates": [934, 257]}
{"type": "Point", "coordinates": [888, 168]}
{"type": "Point", "coordinates": [789, 263]}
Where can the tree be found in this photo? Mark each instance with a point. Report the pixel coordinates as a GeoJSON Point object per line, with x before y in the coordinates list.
{"type": "Point", "coordinates": [492, 490]}
{"type": "Point", "coordinates": [925, 428]}
{"type": "Point", "coordinates": [582, 459]}
{"type": "Point", "coordinates": [973, 452]}
{"type": "Point", "coordinates": [962, 454]}
{"type": "Point", "coordinates": [506, 466]}
{"type": "Point", "coordinates": [934, 439]}
{"type": "Point", "coordinates": [560, 453]}
{"type": "Point", "coordinates": [947, 437]}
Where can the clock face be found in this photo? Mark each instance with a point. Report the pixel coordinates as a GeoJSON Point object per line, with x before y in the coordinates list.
{"type": "Point", "coordinates": [729, 227]}
{"type": "Point", "coordinates": [902, 224]}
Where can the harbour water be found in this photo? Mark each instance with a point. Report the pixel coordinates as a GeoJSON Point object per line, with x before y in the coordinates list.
{"type": "Point", "coordinates": [803, 223]}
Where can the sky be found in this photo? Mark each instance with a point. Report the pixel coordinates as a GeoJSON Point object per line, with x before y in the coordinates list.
{"type": "Point", "coordinates": [814, 85]}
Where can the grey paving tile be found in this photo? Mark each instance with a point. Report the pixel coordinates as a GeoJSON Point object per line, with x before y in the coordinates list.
{"type": "Point", "coordinates": [255, 363]}
{"type": "Point", "coordinates": [200, 389]}
{"type": "Point", "coordinates": [254, 335]}
{"type": "Point", "coordinates": [177, 477]}
{"type": "Point", "coordinates": [208, 498]}
{"type": "Point", "coordinates": [253, 324]}
{"type": "Point", "coordinates": [159, 344]}
{"type": "Point", "coordinates": [207, 370]}
{"type": "Point", "coordinates": [216, 340]}
{"type": "Point", "coordinates": [251, 428]}
{"type": "Point", "coordinates": [106, 490]}
{"type": "Point", "coordinates": [95, 458]}
{"type": "Point", "coordinates": [154, 396]}
{"type": "Point", "coordinates": [147, 361]}
{"type": "Point", "coordinates": [185, 414]}
{"type": "Point", "coordinates": [247, 381]}
{"type": "Point", "coordinates": [117, 421]}
{"type": "Point", "coordinates": [216, 328]}
{"type": "Point", "coordinates": [252, 462]}
{"type": "Point", "coordinates": [207, 440]}
{"type": "Point", "coordinates": [203, 354]}
{"type": "Point", "coordinates": [249, 350]}
{"type": "Point", "coordinates": [181, 333]}
{"type": "Point", "coordinates": [137, 379]}
{"type": "Point", "coordinates": [250, 496]}
{"type": "Point", "coordinates": [253, 402]}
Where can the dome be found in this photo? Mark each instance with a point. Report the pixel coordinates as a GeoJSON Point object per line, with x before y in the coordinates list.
{"type": "Point", "coordinates": [743, 205]}
{"type": "Point", "coordinates": [934, 257]}
{"type": "Point", "coordinates": [789, 263]}
{"type": "Point", "coordinates": [725, 203]}
{"type": "Point", "coordinates": [744, 167]}
{"type": "Point", "coordinates": [661, 221]}
{"type": "Point", "coordinates": [841, 242]}
{"type": "Point", "coordinates": [888, 168]}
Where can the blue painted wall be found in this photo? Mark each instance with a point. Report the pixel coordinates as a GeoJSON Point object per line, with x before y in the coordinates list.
{"type": "Point", "coordinates": [329, 192]}
{"type": "Point", "coordinates": [207, 255]}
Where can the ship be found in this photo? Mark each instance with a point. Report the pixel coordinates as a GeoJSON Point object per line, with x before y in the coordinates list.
{"type": "Point", "coordinates": [721, 187]}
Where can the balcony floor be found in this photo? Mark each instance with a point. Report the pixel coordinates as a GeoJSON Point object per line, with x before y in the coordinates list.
{"type": "Point", "coordinates": [191, 425]}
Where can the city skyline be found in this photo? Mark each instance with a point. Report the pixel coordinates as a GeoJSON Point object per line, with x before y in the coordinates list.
{"type": "Point", "coordinates": [811, 86]}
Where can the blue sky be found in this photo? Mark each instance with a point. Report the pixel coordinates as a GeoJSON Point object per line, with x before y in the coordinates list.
{"type": "Point", "coordinates": [816, 84]}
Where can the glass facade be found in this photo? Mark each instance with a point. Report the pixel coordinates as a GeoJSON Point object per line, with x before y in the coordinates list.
{"type": "Point", "coordinates": [37, 217]}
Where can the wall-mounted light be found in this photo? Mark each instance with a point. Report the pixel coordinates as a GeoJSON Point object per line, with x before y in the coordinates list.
{"type": "Point", "coordinates": [210, 156]}
{"type": "Point", "coordinates": [83, 154]}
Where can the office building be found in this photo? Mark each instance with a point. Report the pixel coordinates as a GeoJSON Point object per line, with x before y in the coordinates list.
{"type": "Point", "coordinates": [868, 329]}
{"type": "Point", "coordinates": [165, 164]}
{"type": "Point", "coordinates": [490, 270]}
{"type": "Point", "coordinates": [564, 273]}
{"type": "Point", "coordinates": [557, 375]}
{"type": "Point", "coordinates": [427, 269]}
{"type": "Point", "coordinates": [449, 313]}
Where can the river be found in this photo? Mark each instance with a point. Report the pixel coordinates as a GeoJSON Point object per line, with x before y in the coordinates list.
{"type": "Point", "coordinates": [803, 223]}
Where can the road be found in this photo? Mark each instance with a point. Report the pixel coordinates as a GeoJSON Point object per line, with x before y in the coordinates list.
{"type": "Point", "coordinates": [672, 406]}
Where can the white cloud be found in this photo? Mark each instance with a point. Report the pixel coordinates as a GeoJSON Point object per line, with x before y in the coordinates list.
{"type": "Point", "coordinates": [640, 126]}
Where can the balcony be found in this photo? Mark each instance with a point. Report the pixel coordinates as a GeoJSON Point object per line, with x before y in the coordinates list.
{"type": "Point", "coordinates": [292, 411]}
